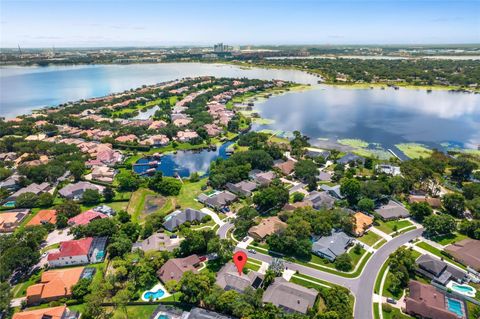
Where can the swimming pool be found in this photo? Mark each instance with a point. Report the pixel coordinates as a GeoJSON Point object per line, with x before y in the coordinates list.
{"type": "Point", "coordinates": [456, 307]}
{"type": "Point", "coordinates": [149, 295]}
{"type": "Point", "coordinates": [462, 289]}
{"type": "Point", "coordinates": [156, 293]}
{"type": "Point", "coordinates": [163, 316]}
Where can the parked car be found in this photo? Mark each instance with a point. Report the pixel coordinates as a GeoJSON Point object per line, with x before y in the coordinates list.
{"type": "Point", "coordinates": [391, 300]}
{"type": "Point", "coordinates": [252, 251]}
{"type": "Point", "coordinates": [245, 239]}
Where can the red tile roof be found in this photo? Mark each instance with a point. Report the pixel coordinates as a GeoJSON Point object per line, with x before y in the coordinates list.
{"type": "Point", "coordinates": [72, 248]}
{"type": "Point", "coordinates": [44, 216]}
{"type": "Point", "coordinates": [85, 217]}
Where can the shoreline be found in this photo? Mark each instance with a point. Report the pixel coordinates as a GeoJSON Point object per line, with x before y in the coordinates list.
{"type": "Point", "coordinates": [247, 65]}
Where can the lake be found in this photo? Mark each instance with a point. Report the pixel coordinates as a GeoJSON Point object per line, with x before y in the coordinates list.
{"type": "Point", "coordinates": [183, 163]}
{"type": "Point", "coordinates": [380, 116]}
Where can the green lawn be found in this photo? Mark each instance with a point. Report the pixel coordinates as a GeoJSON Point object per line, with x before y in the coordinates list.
{"type": "Point", "coordinates": [438, 253]}
{"type": "Point", "coordinates": [388, 293]}
{"type": "Point", "coordinates": [47, 248]}
{"type": "Point", "coordinates": [137, 202]}
{"type": "Point", "coordinates": [448, 239]}
{"type": "Point", "coordinates": [137, 312]}
{"type": "Point", "coordinates": [186, 198]}
{"type": "Point", "coordinates": [20, 289]}
{"type": "Point", "coordinates": [378, 281]}
{"type": "Point", "coordinates": [395, 314]}
{"type": "Point", "coordinates": [369, 238]}
{"type": "Point", "coordinates": [388, 227]}
{"type": "Point", "coordinates": [376, 310]}
{"type": "Point", "coordinates": [380, 244]}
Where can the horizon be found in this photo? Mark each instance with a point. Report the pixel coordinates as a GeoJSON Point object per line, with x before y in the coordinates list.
{"type": "Point", "coordinates": [147, 23]}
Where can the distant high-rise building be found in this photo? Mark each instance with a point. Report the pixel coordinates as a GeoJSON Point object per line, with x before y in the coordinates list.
{"type": "Point", "coordinates": [222, 48]}
{"type": "Point", "coordinates": [218, 48]}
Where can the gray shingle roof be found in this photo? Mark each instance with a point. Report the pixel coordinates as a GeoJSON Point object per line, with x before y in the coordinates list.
{"type": "Point", "coordinates": [332, 246]}
{"type": "Point", "coordinates": [229, 279]}
{"type": "Point", "coordinates": [179, 217]}
{"type": "Point", "coordinates": [392, 210]}
{"type": "Point", "coordinates": [290, 296]}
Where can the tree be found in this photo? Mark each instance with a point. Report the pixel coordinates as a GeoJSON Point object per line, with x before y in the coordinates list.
{"type": "Point", "coordinates": [68, 208]}
{"type": "Point", "coordinates": [245, 219]}
{"type": "Point", "coordinates": [462, 169]}
{"type": "Point", "coordinates": [305, 169]}
{"type": "Point", "coordinates": [128, 181]}
{"type": "Point", "coordinates": [420, 210]}
{"type": "Point", "coordinates": [91, 197]}
{"type": "Point", "coordinates": [81, 288]}
{"type": "Point", "coordinates": [273, 196]}
{"type": "Point", "coordinates": [270, 276]}
{"type": "Point", "coordinates": [77, 169]}
{"type": "Point", "coordinates": [121, 299]}
{"type": "Point", "coordinates": [343, 262]}
{"type": "Point", "coordinates": [108, 194]}
{"type": "Point", "coordinates": [350, 188]}
{"type": "Point", "coordinates": [26, 200]}
{"type": "Point", "coordinates": [366, 205]}
{"type": "Point", "coordinates": [173, 287]}
{"type": "Point", "coordinates": [5, 297]}
{"type": "Point", "coordinates": [169, 186]}
{"type": "Point", "coordinates": [195, 287]}
{"type": "Point", "coordinates": [298, 197]}
{"type": "Point", "coordinates": [471, 228]}
{"type": "Point", "coordinates": [436, 225]}
{"type": "Point", "coordinates": [454, 204]}
{"type": "Point", "coordinates": [45, 200]}
{"type": "Point", "coordinates": [194, 177]}
{"type": "Point", "coordinates": [471, 190]}
{"type": "Point", "coordinates": [120, 246]}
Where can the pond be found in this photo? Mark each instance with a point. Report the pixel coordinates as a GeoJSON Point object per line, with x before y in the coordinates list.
{"type": "Point", "coordinates": [183, 163]}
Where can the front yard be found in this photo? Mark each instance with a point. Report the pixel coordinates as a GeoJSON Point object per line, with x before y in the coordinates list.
{"type": "Point", "coordinates": [393, 225]}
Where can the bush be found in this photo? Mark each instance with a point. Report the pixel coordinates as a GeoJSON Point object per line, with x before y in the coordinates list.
{"type": "Point", "coordinates": [343, 262]}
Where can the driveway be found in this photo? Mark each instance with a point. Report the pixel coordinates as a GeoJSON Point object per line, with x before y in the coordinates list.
{"type": "Point", "coordinates": [361, 287]}
{"type": "Point", "coordinates": [223, 230]}
{"type": "Point", "coordinates": [214, 216]}
{"type": "Point", "coordinates": [58, 236]}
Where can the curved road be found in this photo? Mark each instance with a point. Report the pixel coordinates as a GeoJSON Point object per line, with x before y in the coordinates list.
{"type": "Point", "coordinates": [361, 287]}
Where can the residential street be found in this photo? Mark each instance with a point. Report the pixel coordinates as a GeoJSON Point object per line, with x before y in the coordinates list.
{"type": "Point", "coordinates": [364, 283]}
{"type": "Point", "coordinates": [223, 230]}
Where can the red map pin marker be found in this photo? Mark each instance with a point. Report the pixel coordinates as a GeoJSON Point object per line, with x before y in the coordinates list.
{"type": "Point", "coordinates": [240, 259]}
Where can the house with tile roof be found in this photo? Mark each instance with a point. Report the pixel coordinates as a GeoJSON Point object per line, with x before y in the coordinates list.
{"type": "Point", "coordinates": [34, 188]}
{"type": "Point", "coordinates": [44, 216]}
{"type": "Point", "coordinates": [76, 190]}
{"type": "Point", "coordinates": [85, 218]}
{"type": "Point", "coordinates": [60, 312]}
{"type": "Point", "coordinates": [286, 168]}
{"type": "Point", "coordinates": [10, 220]}
{"type": "Point", "coordinates": [54, 285]}
{"type": "Point", "coordinates": [157, 242]}
{"type": "Point", "coordinates": [78, 252]}
{"type": "Point", "coordinates": [362, 223]}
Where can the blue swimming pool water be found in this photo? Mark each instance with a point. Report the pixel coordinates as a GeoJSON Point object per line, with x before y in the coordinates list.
{"type": "Point", "coordinates": [154, 295]}
{"type": "Point", "coordinates": [455, 306]}
{"type": "Point", "coordinates": [163, 317]}
{"type": "Point", "coordinates": [462, 288]}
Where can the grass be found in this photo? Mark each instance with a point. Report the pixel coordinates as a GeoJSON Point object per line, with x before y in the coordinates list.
{"type": "Point", "coordinates": [388, 227]}
{"type": "Point", "coordinates": [137, 202]}
{"type": "Point", "coordinates": [376, 310]}
{"type": "Point", "coordinates": [388, 293]}
{"type": "Point", "coordinates": [378, 281]}
{"type": "Point", "coordinates": [307, 284]}
{"type": "Point", "coordinates": [50, 247]}
{"type": "Point", "coordinates": [394, 313]}
{"type": "Point", "coordinates": [369, 238]}
{"type": "Point", "coordinates": [448, 239]}
{"type": "Point", "coordinates": [380, 243]}
{"type": "Point", "coordinates": [20, 289]}
{"type": "Point", "coordinates": [138, 312]}
{"type": "Point", "coordinates": [438, 253]}
{"type": "Point", "coordinates": [414, 150]}
{"type": "Point", "coordinates": [186, 198]}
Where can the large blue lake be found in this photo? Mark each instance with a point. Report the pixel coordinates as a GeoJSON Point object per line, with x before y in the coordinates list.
{"type": "Point", "coordinates": [386, 116]}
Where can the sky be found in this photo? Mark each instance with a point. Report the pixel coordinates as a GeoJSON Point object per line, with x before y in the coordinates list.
{"type": "Point", "coordinates": [89, 23]}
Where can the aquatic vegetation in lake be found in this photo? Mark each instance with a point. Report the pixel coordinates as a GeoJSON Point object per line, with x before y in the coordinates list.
{"type": "Point", "coordinates": [353, 142]}
{"type": "Point", "coordinates": [414, 150]}
{"type": "Point", "coordinates": [262, 121]}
